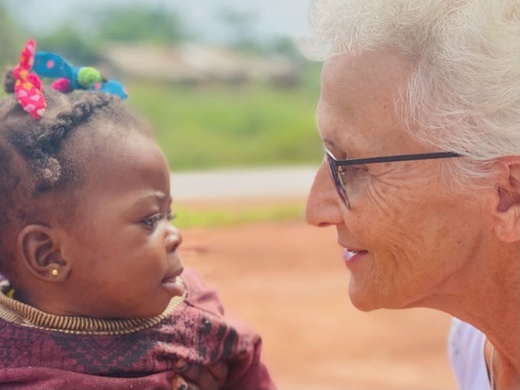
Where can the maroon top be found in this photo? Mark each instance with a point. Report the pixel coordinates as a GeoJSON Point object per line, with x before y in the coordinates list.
{"type": "Point", "coordinates": [110, 357]}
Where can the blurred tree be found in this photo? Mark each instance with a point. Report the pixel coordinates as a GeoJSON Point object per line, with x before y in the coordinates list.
{"type": "Point", "coordinates": [285, 46]}
{"type": "Point", "coordinates": [11, 40]}
{"type": "Point", "coordinates": [241, 28]}
{"type": "Point", "coordinates": [71, 44]}
{"type": "Point", "coordinates": [81, 43]}
{"type": "Point", "coordinates": [139, 23]}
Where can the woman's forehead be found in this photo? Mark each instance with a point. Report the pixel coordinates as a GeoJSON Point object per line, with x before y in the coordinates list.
{"type": "Point", "coordinates": [357, 104]}
{"type": "Point", "coordinates": [372, 69]}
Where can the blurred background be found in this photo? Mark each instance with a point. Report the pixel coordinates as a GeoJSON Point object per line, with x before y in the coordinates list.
{"type": "Point", "coordinates": [221, 81]}
{"type": "Point", "coordinates": [232, 102]}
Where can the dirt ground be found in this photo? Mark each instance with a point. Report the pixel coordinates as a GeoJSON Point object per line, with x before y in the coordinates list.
{"type": "Point", "coordinates": [287, 280]}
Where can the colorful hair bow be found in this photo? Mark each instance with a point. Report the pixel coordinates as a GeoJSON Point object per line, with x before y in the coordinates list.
{"type": "Point", "coordinates": [28, 87]}
{"type": "Point", "coordinates": [69, 78]}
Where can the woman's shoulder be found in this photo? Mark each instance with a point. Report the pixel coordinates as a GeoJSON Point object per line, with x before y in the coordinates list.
{"type": "Point", "coordinates": [466, 352]}
{"type": "Point", "coordinates": [464, 334]}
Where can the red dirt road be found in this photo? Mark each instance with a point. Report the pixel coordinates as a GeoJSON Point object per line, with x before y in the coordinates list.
{"type": "Point", "coordinates": [287, 281]}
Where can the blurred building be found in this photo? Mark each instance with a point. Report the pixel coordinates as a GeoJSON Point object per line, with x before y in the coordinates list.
{"type": "Point", "coordinates": [195, 63]}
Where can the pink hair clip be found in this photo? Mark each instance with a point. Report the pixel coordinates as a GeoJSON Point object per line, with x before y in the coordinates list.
{"type": "Point", "coordinates": [28, 87]}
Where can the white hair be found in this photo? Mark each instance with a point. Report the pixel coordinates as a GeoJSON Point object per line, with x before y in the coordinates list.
{"type": "Point", "coordinates": [464, 94]}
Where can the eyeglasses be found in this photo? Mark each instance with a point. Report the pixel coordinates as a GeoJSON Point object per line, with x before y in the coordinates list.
{"type": "Point", "coordinates": [338, 170]}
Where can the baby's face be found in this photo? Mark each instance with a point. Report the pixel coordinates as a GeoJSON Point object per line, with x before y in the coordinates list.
{"type": "Point", "coordinates": [122, 247]}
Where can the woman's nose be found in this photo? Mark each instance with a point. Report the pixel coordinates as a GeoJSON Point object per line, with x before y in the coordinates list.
{"type": "Point", "coordinates": [323, 203]}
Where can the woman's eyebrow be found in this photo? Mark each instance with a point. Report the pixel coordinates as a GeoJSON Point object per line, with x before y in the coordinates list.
{"type": "Point", "coordinates": [329, 143]}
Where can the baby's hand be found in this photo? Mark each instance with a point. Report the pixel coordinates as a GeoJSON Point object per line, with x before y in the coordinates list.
{"type": "Point", "coordinates": [195, 377]}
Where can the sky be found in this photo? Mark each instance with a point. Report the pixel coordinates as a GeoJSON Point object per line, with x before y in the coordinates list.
{"type": "Point", "coordinates": [275, 17]}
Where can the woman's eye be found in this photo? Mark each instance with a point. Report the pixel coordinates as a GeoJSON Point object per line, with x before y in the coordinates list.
{"type": "Point", "coordinates": [170, 216]}
{"type": "Point", "coordinates": [353, 172]}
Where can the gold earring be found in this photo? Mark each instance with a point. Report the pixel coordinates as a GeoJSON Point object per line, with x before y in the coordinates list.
{"type": "Point", "coordinates": [54, 272]}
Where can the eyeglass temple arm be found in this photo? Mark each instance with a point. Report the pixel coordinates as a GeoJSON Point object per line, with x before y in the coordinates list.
{"type": "Point", "coordinates": [404, 157]}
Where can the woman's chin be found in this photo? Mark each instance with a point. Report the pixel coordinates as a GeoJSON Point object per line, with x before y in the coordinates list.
{"type": "Point", "coordinates": [370, 300]}
{"type": "Point", "coordinates": [363, 305]}
{"type": "Point", "coordinates": [363, 299]}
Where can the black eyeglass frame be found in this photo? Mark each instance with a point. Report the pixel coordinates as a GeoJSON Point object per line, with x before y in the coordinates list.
{"type": "Point", "coordinates": [336, 165]}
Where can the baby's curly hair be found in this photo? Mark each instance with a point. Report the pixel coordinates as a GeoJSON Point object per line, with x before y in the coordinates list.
{"type": "Point", "coordinates": [33, 162]}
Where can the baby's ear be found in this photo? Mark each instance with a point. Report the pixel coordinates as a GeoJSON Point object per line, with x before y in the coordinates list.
{"type": "Point", "coordinates": [507, 226]}
{"type": "Point", "coordinates": [39, 249]}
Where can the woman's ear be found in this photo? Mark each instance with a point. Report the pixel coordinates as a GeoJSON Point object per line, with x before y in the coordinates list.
{"type": "Point", "coordinates": [507, 226]}
{"type": "Point", "coordinates": [39, 249]}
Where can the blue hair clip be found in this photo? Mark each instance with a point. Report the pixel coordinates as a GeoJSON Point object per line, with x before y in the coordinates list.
{"type": "Point", "coordinates": [69, 78]}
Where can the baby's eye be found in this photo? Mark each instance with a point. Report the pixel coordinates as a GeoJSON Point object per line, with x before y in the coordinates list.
{"type": "Point", "coordinates": [151, 221]}
{"type": "Point", "coordinates": [171, 216]}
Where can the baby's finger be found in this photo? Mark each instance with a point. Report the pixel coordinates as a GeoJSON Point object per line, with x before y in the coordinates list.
{"type": "Point", "coordinates": [179, 383]}
{"type": "Point", "coordinates": [220, 372]}
{"type": "Point", "coordinates": [199, 375]}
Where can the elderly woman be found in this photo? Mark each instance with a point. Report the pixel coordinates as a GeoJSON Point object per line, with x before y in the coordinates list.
{"type": "Point", "coordinates": [419, 116]}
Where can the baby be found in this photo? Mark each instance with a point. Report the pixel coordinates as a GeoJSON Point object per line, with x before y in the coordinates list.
{"type": "Point", "coordinates": [95, 295]}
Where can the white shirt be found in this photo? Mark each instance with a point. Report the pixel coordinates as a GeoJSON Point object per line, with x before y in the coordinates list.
{"type": "Point", "coordinates": [466, 352]}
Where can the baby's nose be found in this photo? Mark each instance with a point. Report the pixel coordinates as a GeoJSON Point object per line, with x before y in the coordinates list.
{"type": "Point", "coordinates": [173, 239]}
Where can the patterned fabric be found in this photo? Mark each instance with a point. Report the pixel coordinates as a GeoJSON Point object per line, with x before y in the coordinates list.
{"type": "Point", "coordinates": [194, 329]}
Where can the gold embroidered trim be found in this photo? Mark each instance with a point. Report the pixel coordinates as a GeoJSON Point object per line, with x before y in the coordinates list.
{"type": "Point", "coordinates": [26, 315]}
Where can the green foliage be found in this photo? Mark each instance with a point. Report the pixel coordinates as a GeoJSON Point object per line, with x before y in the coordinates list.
{"type": "Point", "coordinates": [11, 42]}
{"type": "Point", "coordinates": [80, 42]}
{"type": "Point", "coordinates": [241, 28]}
{"type": "Point", "coordinates": [139, 23]}
{"type": "Point", "coordinates": [71, 44]}
{"type": "Point", "coordinates": [284, 46]}
{"type": "Point", "coordinates": [219, 126]}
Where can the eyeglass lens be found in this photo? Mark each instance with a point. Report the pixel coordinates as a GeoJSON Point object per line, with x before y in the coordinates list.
{"type": "Point", "coordinates": [337, 178]}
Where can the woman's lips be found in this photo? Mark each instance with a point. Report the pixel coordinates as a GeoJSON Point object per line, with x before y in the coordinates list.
{"type": "Point", "coordinates": [350, 255]}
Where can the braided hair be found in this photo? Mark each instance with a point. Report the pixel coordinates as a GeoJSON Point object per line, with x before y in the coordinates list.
{"type": "Point", "coordinates": [33, 159]}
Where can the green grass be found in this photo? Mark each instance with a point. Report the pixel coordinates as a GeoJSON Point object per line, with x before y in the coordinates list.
{"type": "Point", "coordinates": [222, 126]}
{"type": "Point", "coordinates": [224, 216]}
